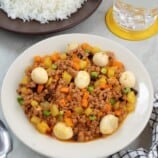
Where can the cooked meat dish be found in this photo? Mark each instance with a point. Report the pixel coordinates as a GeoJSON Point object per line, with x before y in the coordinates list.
{"type": "Point", "coordinates": [80, 94]}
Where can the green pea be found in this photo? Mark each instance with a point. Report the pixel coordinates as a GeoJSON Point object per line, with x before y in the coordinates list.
{"type": "Point", "coordinates": [90, 89]}
{"type": "Point", "coordinates": [103, 70]}
{"type": "Point", "coordinates": [94, 74]}
{"type": "Point", "coordinates": [54, 66]}
{"type": "Point", "coordinates": [126, 90]}
{"type": "Point", "coordinates": [46, 113]}
{"type": "Point", "coordinates": [20, 100]}
{"type": "Point", "coordinates": [112, 101]}
{"type": "Point", "coordinates": [92, 118]}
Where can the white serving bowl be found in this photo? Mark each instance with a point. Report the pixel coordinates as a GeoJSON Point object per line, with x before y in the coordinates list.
{"type": "Point", "coordinates": [129, 130]}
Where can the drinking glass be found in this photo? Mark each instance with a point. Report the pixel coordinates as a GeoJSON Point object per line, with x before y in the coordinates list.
{"type": "Point", "coordinates": [135, 15]}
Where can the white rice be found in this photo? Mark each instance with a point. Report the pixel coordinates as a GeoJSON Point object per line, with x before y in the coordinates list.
{"type": "Point", "coordinates": [40, 10]}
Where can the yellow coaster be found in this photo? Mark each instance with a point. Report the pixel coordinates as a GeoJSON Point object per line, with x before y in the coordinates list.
{"type": "Point", "coordinates": [126, 34]}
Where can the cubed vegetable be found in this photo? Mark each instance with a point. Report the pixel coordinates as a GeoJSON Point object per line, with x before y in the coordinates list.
{"type": "Point", "coordinates": [49, 81]}
{"type": "Point", "coordinates": [63, 56]}
{"type": "Point", "coordinates": [88, 111]}
{"type": "Point", "coordinates": [61, 113]}
{"type": "Point", "coordinates": [45, 105]}
{"type": "Point", "coordinates": [130, 107]}
{"type": "Point", "coordinates": [94, 74]}
{"type": "Point", "coordinates": [131, 97]}
{"type": "Point", "coordinates": [34, 103]}
{"type": "Point", "coordinates": [47, 62]}
{"type": "Point", "coordinates": [90, 89]}
{"type": "Point", "coordinates": [83, 64]}
{"type": "Point", "coordinates": [92, 118]}
{"type": "Point", "coordinates": [116, 105]}
{"type": "Point", "coordinates": [35, 120]}
{"type": "Point", "coordinates": [95, 50]}
{"type": "Point", "coordinates": [126, 90]}
{"type": "Point", "coordinates": [112, 101]}
{"type": "Point", "coordinates": [54, 110]}
{"type": "Point", "coordinates": [43, 127]}
{"type": "Point", "coordinates": [20, 100]}
{"type": "Point", "coordinates": [99, 82]}
{"type": "Point", "coordinates": [66, 77]}
{"type": "Point", "coordinates": [54, 66]}
{"type": "Point", "coordinates": [78, 110]}
{"type": "Point", "coordinates": [46, 113]}
{"type": "Point", "coordinates": [111, 71]}
{"type": "Point", "coordinates": [25, 80]}
{"type": "Point", "coordinates": [104, 70]}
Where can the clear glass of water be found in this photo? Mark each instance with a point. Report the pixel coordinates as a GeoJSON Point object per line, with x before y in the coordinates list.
{"type": "Point", "coordinates": [135, 15]}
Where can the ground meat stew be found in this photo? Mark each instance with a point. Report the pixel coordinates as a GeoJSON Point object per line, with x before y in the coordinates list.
{"type": "Point", "coordinates": [80, 94]}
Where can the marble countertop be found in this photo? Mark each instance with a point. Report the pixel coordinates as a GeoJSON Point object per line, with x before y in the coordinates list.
{"type": "Point", "coordinates": [12, 45]}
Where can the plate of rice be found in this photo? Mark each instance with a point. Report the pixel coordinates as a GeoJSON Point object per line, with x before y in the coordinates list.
{"type": "Point", "coordinates": [77, 97]}
{"type": "Point", "coordinates": [40, 17]}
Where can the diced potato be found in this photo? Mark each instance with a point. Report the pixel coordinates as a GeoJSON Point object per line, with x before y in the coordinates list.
{"type": "Point", "coordinates": [24, 90]}
{"type": "Point", "coordinates": [45, 105]}
{"type": "Point", "coordinates": [131, 98]}
{"type": "Point", "coordinates": [63, 56]}
{"type": "Point", "coordinates": [43, 127]}
{"type": "Point", "coordinates": [78, 110]}
{"type": "Point", "coordinates": [49, 81]}
{"type": "Point", "coordinates": [100, 81]}
{"type": "Point", "coordinates": [95, 50]}
{"type": "Point", "coordinates": [116, 106]}
{"type": "Point", "coordinates": [24, 80]}
{"type": "Point", "coordinates": [34, 103]}
{"type": "Point", "coordinates": [88, 111]}
{"type": "Point", "coordinates": [47, 62]}
{"type": "Point", "coordinates": [54, 110]}
{"type": "Point", "coordinates": [66, 77]}
{"type": "Point", "coordinates": [83, 64]}
{"type": "Point", "coordinates": [130, 107]}
{"type": "Point", "coordinates": [111, 71]}
{"type": "Point", "coordinates": [35, 120]}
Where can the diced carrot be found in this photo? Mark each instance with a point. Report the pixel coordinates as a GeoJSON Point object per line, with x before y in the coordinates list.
{"type": "Point", "coordinates": [85, 99]}
{"type": "Point", "coordinates": [107, 108]}
{"type": "Point", "coordinates": [86, 46]}
{"type": "Point", "coordinates": [100, 114]}
{"type": "Point", "coordinates": [76, 66]}
{"type": "Point", "coordinates": [68, 121]}
{"type": "Point", "coordinates": [105, 86]}
{"type": "Point", "coordinates": [62, 102]}
{"type": "Point", "coordinates": [40, 88]}
{"type": "Point", "coordinates": [75, 62]}
{"type": "Point", "coordinates": [64, 89]}
{"type": "Point", "coordinates": [118, 64]}
{"type": "Point", "coordinates": [55, 56]}
{"type": "Point", "coordinates": [69, 98]}
{"type": "Point", "coordinates": [118, 112]}
{"type": "Point", "coordinates": [84, 103]}
{"type": "Point", "coordinates": [37, 59]}
{"type": "Point", "coordinates": [86, 95]}
{"type": "Point", "coordinates": [56, 77]}
{"type": "Point", "coordinates": [67, 113]}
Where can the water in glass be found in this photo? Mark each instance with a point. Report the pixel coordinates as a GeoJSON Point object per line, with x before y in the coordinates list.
{"type": "Point", "coordinates": [135, 15]}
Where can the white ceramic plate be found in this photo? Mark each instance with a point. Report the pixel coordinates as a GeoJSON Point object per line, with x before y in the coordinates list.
{"type": "Point", "coordinates": [129, 131]}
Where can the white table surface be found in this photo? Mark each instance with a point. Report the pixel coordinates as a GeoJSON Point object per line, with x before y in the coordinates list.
{"type": "Point", "coordinates": [12, 45]}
